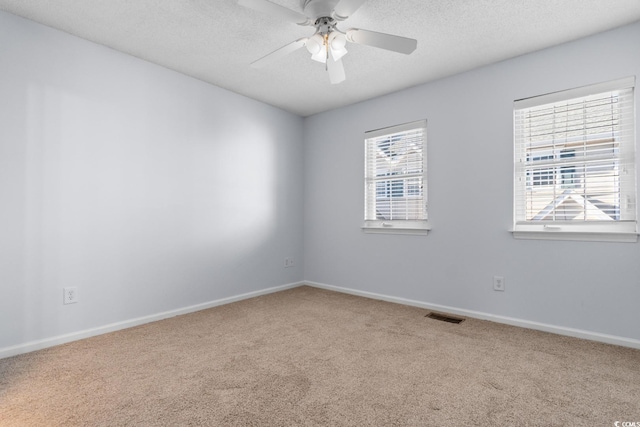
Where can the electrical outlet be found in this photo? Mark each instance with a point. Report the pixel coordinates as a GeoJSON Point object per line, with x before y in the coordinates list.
{"type": "Point", "coordinates": [70, 295]}
{"type": "Point", "coordinates": [288, 262]}
{"type": "Point", "coordinates": [498, 283]}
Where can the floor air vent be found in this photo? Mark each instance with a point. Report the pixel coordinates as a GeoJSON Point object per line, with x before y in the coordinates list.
{"type": "Point", "coordinates": [445, 317]}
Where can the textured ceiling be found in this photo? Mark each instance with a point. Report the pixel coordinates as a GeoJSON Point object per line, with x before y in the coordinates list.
{"type": "Point", "coordinates": [216, 40]}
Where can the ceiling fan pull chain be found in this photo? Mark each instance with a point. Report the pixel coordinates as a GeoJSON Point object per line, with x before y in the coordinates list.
{"type": "Point", "coordinates": [326, 49]}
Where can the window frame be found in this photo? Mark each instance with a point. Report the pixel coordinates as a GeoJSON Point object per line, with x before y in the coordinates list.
{"type": "Point", "coordinates": [620, 229]}
{"type": "Point", "coordinates": [373, 189]}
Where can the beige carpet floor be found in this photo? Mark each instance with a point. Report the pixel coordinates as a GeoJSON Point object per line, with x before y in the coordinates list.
{"type": "Point", "coordinates": [309, 357]}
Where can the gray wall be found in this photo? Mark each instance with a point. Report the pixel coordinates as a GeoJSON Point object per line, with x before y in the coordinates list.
{"type": "Point", "coordinates": [148, 190]}
{"type": "Point", "coordinates": [151, 191]}
{"type": "Point", "coordinates": [589, 286]}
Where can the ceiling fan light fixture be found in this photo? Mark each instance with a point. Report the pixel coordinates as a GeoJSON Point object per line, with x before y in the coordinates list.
{"type": "Point", "coordinates": [337, 40]}
{"type": "Point", "coordinates": [315, 44]}
{"type": "Point", "coordinates": [321, 56]}
{"type": "Point", "coordinates": [316, 47]}
{"type": "Point", "coordinates": [338, 54]}
{"type": "Point", "coordinates": [337, 43]}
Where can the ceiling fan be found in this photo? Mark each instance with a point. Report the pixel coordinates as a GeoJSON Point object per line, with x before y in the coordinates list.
{"type": "Point", "coordinates": [328, 43]}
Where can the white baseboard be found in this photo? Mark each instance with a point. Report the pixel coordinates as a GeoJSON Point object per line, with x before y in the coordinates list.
{"type": "Point", "coordinates": [560, 330]}
{"type": "Point", "coordinates": [87, 333]}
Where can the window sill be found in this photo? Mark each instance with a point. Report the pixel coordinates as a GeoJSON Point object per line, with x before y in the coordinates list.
{"type": "Point", "coordinates": [417, 228]}
{"type": "Point", "coordinates": [626, 233]}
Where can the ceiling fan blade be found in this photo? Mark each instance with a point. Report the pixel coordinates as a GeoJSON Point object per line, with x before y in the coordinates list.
{"type": "Point", "coordinates": [346, 8]}
{"type": "Point", "coordinates": [335, 70]}
{"type": "Point", "coordinates": [382, 40]}
{"type": "Point", "coordinates": [280, 53]}
{"type": "Point", "coordinates": [275, 11]}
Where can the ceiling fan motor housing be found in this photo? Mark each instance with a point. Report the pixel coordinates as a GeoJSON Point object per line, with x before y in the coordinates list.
{"type": "Point", "coordinates": [318, 8]}
{"type": "Point", "coordinates": [325, 25]}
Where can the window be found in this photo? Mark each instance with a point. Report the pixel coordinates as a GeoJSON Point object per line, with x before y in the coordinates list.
{"type": "Point", "coordinates": [395, 179]}
{"type": "Point", "coordinates": [575, 164]}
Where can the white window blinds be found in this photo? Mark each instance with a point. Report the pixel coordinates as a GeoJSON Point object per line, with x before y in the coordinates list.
{"type": "Point", "coordinates": [575, 157]}
{"type": "Point", "coordinates": [395, 175]}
